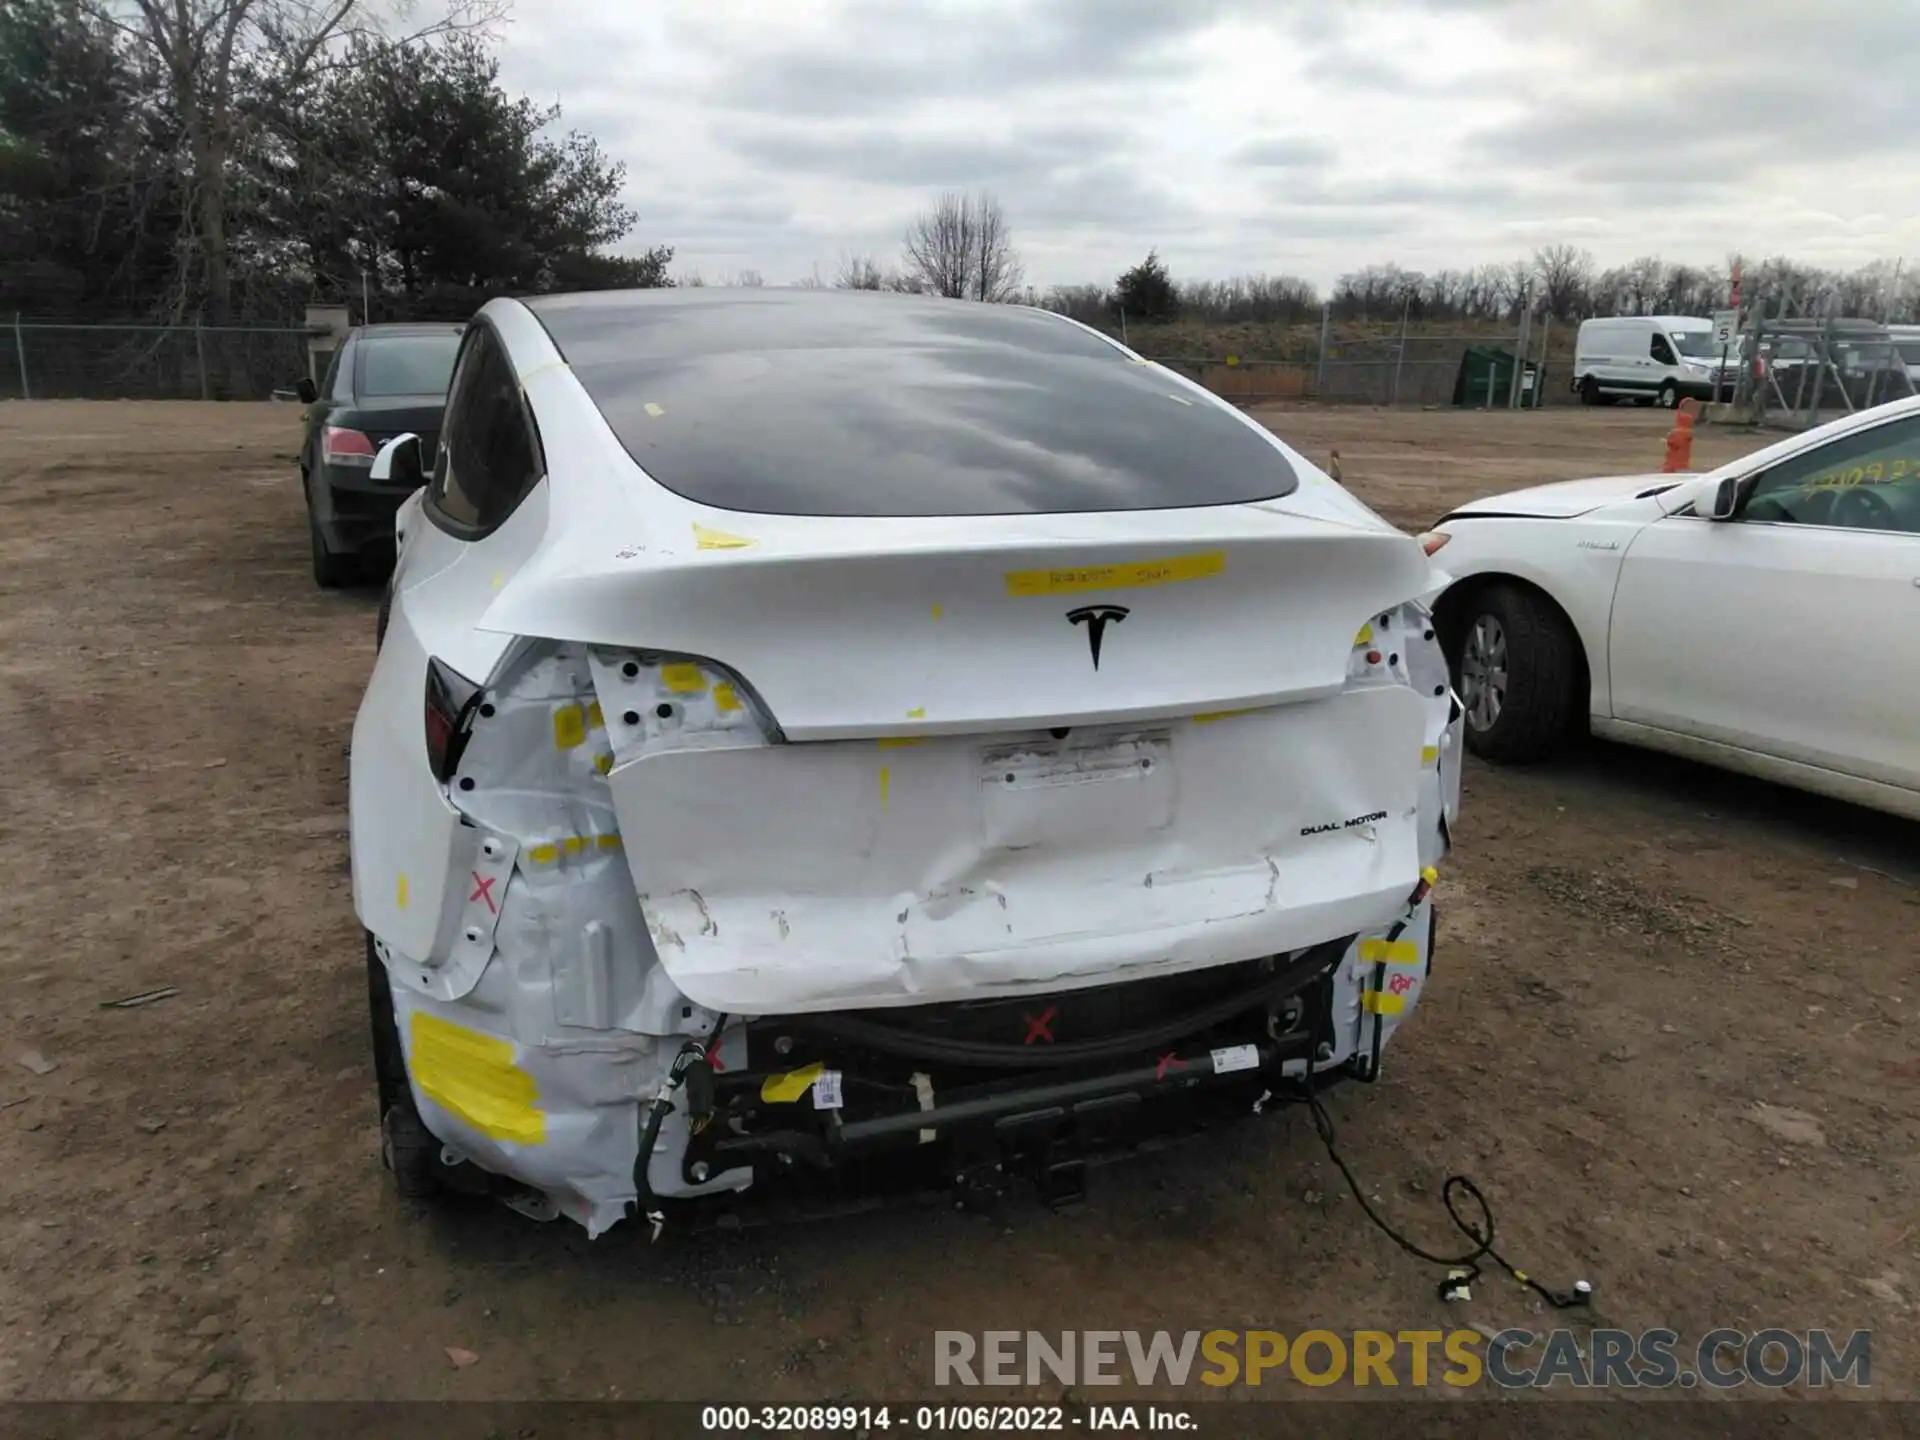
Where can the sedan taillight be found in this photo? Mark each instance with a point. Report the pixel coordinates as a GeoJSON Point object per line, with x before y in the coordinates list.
{"type": "Point", "coordinates": [345, 447]}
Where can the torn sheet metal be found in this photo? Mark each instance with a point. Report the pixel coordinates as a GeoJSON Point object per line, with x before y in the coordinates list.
{"type": "Point", "coordinates": [557, 1114]}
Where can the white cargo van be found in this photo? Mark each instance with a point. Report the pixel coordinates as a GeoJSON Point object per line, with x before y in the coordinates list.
{"type": "Point", "coordinates": [1656, 358]}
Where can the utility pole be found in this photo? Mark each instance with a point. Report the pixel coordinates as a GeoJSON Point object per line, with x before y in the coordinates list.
{"type": "Point", "coordinates": [1540, 373]}
{"type": "Point", "coordinates": [1326, 324]}
{"type": "Point", "coordinates": [1519, 350]}
{"type": "Point", "coordinates": [1400, 350]}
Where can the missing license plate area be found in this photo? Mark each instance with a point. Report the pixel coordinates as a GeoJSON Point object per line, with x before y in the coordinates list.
{"type": "Point", "coordinates": [1043, 793]}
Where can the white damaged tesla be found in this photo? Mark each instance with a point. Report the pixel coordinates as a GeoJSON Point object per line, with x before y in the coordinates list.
{"type": "Point", "coordinates": [817, 733]}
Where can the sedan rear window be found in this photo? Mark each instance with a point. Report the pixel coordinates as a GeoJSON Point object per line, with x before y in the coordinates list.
{"type": "Point", "coordinates": [824, 403]}
{"type": "Point", "coordinates": [407, 364]}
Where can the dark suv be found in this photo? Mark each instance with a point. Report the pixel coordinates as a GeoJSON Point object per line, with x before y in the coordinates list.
{"type": "Point", "coordinates": [385, 380]}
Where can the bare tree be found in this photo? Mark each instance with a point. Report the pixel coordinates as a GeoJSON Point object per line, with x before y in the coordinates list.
{"type": "Point", "coordinates": [209, 50]}
{"type": "Point", "coordinates": [858, 272]}
{"type": "Point", "coordinates": [963, 249]}
{"type": "Point", "coordinates": [1565, 273]}
{"type": "Point", "coordinates": [1518, 287]}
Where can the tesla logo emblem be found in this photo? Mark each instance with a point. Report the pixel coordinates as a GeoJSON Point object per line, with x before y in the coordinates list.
{"type": "Point", "coordinates": [1096, 618]}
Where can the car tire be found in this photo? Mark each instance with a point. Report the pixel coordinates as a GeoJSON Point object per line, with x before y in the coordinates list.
{"type": "Point", "coordinates": [1668, 396]}
{"type": "Point", "coordinates": [376, 565]}
{"type": "Point", "coordinates": [1589, 390]}
{"type": "Point", "coordinates": [330, 571]}
{"type": "Point", "coordinates": [1516, 667]}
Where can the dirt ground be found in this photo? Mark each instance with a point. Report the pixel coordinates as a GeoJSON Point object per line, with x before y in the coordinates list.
{"type": "Point", "coordinates": [1671, 1032]}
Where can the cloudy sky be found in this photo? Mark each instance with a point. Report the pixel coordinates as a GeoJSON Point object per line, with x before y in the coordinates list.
{"type": "Point", "coordinates": [1247, 135]}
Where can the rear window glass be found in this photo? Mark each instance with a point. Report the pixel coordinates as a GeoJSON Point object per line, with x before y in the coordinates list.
{"type": "Point", "coordinates": [847, 403]}
{"type": "Point", "coordinates": [407, 364]}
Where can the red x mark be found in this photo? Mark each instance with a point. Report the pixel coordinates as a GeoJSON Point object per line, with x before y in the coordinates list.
{"type": "Point", "coordinates": [483, 890]}
{"type": "Point", "coordinates": [1040, 1027]}
{"type": "Point", "coordinates": [715, 1063]}
{"type": "Point", "coordinates": [1400, 984]}
{"type": "Point", "coordinates": [1169, 1061]}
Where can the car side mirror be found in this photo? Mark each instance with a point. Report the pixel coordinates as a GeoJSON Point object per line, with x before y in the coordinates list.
{"type": "Point", "coordinates": [398, 462]}
{"type": "Point", "coordinates": [1712, 499]}
{"type": "Point", "coordinates": [307, 391]}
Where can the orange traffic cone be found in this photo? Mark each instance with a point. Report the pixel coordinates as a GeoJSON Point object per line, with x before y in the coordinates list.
{"type": "Point", "coordinates": [1680, 439]}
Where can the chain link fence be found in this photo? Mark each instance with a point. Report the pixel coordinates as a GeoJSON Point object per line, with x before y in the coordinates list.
{"type": "Point", "coordinates": [57, 360]}
{"type": "Point", "coordinates": [42, 360]}
{"type": "Point", "coordinates": [1799, 372]}
{"type": "Point", "coordinates": [1407, 367]}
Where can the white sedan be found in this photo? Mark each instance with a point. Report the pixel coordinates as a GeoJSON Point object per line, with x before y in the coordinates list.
{"type": "Point", "coordinates": [810, 727]}
{"type": "Point", "coordinates": [1764, 617]}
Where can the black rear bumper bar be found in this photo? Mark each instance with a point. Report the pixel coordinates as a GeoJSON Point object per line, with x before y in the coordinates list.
{"type": "Point", "coordinates": [1042, 1109]}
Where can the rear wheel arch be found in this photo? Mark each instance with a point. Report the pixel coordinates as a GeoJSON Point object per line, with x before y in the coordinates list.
{"type": "Point", "coordinates": [1563, 648]}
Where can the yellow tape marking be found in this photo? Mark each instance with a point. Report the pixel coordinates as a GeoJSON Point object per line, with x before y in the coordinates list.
{"type": "Point", "coordinates": [608, 842]}
{"type": "Point", "coordinates": [919, 712]}
{"type": "Point", "coordinates": [498, 580]}
{"type": "Point", "coordinates": [1214, 715]}
{"type": "Point", "coordinates": [706, 539]}
{"type": "Point", "coordinates": [1117, 577]}
{"type": "Point", "coordinates": [1365, 637]}
{"type": "Point", "coordinates": [899, 742]}
{"type": "Point", "coordinates": [569, 727]}
{"type": "Point", "coordinates": [938, 611]}
{"type": "Point", "coordinates": [1381, 1003]}
{"type": "Point", "coordinates": [473, 1076]}
{"type": "Point", "coordinates": [595, 719]}
{"type": "Point", "coordinates": [1430, 875]}
{"type": "Point", "coordinates": [400, 892]}
{"type": "Point", "coordinates": [1389, 952]}
{"type": "Point", "coordinates": [1177, 400]}
{"type": "Point", "coordinates": [886, 785]}
{"type": "Point", "coordinates": [787, 1088]}
{"type": "Point", "coordinates": [654, 410]}
{"type": "Point", "coordinates": [544, 854]}
{"type": "Point", "coordinates": [603, 763]}
{"type": "Point", "coordinates": [683, 679]}
{"type": "Point", "coordinates": [724, 698]}
{"type": "Point", "coordinates": [1429, 754]}
{"type": "Point", "coordinates": [575, 844]}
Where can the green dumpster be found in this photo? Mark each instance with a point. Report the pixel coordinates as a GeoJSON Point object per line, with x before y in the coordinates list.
{"type": "Point", "coordinates": [1485, 380]}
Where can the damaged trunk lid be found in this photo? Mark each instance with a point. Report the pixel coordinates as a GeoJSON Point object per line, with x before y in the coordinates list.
{"type": "Point", "coordinates": [885, 764]}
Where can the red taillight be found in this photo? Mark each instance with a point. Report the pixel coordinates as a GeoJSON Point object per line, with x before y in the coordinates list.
{"type": "Point", "coordinates": [345, 447]}
{"type": "Point", "coordinates": [452, 701]}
